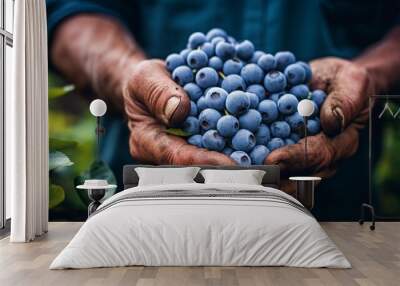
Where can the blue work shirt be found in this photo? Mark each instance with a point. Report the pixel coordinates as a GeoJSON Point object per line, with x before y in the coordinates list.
{"type": "Point", "coordinates": [309, 28]}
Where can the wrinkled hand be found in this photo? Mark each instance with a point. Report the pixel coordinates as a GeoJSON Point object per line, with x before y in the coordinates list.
{"type": "Point", "coordinates": [152, 102]}
{"type": "Point", "coordinates": [343, 113]}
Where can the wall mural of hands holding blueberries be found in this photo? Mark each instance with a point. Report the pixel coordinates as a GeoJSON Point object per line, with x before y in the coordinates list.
{"type": "Point", "coordinates": [220, 83]}
{"type": "Point", "coordinates": [243, 101]}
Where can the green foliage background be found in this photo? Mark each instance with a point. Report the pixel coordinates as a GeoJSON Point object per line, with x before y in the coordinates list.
{"type": "Point", "coordinates": [72, 152]}
{"type": "Point", "coordinates": [386, 167]}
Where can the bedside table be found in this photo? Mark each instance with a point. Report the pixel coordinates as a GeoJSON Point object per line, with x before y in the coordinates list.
{"type": "Point", "coordinates": [305, 190]}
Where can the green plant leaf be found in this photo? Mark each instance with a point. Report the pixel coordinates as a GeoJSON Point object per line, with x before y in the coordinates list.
{"type": "Point", "coordinates": [98, 170]}
{"type": "Point", "coordinates": [57, 144]}
{"type": "Point", "coordinates": [177, 132]}
{"type": "Point", "coordinates": [56, 195]}
{"type": "Point", "coordinates": [55, 92]}
{"type": "Point", "coordinates": [226, 112]}
{"type": "Point", "coordinates": [58, 159]}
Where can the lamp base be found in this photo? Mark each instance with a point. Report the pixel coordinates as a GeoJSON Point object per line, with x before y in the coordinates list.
{"type": "Point", "coordinates": [362, 219]}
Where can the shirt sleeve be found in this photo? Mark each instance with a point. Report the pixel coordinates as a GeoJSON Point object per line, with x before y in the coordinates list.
{"type": "Point", "coordinates": [59, 10]}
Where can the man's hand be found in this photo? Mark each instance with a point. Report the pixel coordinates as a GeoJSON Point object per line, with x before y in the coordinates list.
{"type": "Point", "coordinates": [152, 102]}
{"type": "Point", "coordinates": [343, 113]}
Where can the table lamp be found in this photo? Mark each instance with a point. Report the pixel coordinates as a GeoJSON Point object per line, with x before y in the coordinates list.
{"type": "Point", "coordinates": [98, 108]}
{"type": "Point", "coordinates": [305, 109]}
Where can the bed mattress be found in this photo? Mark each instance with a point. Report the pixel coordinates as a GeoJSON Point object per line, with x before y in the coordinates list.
{"type": "Point", "coordinates": [201, 225]}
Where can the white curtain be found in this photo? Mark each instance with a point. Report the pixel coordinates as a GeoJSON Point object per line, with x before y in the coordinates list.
{"type": "Point", "coordinates": [26, 124]}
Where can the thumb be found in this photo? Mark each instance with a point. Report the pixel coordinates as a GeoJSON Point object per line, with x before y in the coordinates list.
{"type": "Point", "coordinates": [347, 89]}
{"type": "Point", "coordinates": [152, 86]}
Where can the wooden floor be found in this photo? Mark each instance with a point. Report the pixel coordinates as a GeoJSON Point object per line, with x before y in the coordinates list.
{"type": "Point", "coordinates": [375, 257]}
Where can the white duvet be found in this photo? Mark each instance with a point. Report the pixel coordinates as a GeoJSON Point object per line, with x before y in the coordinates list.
{"type": "Point", "coordinates": [190, 231]}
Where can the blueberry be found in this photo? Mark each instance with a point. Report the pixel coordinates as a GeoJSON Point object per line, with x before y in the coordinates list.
{"type": "Point", "coordinates": [196, 40]}
{"type": "Point", "coordinates": [216, 97]}
{"type": "Point", "coordinates": [208, 48]}
{"type": "Point", "coordinates": [216, 63]}
{"type": "Point", "coordinates": [269, 111]}
{"type": "Point", "coordinates": [295, 137]}
{"type": "Point", "coordinates": [257, 89]}
{"type": "Point", "coordinates": [193, 109]}
{"type": "Point", "coordinates": [184, 53]}
{"type": "Point", "coordinates": [253, 99]}
{"type": "Point", "coordinates": [201, 104]}
{"type": "Point", "coordinates": [313, 126]}
{"type": "Point", "coordinates": [295, 121]}
{"type": "Point", "coordinates": [275, 81]}
{"type": "Point", "coordinates": [251, 120]}
{"type": "Point", "coordinates": [267, 62]}
{"type": "Point", "coordinates": [216, 40]}
{"type": "Point", "coordinates": [243, 140]}
{"type": "Point", "coordinates": [182, 75]}
{"type": "Point", "coordinates": [275, 96]}
{"type": "Point", "coordinates": [289, 141]}
{"type": "Point", "coordinates": [241, 158]}
{"type": "Point", "coordinates": [216, 32]}
{"type": "Point", "coordinates": [208, 118]}
{"type": "Point", "coordinates": [287, 104]}
{"type": "Point", "coordinates": [232, 67]}
{"type": "Point", "coordinates": [307, 69]}
{"type": "Point", "coordinates": [237, 102]}
{"type": "Point", "coordinates": [280, 129]}
{"type": "Point", "coordinates": [301, 91]}
{"type": "Point", "coordinates": [231, 40]}
{"type": "Point", "coordinates": [245, 50]}
{"type": "Point", "coordinates": [256, 56]}
{"type": "Point", "coordinates": [233, 82]}
{"type": "Point", "coordinates": [193, 90]}
{"type": "Point", "coordinates": [275, 143]}
{"type": "Point", "coordinates": [213, 141]}
{"type": "Point", "coordinates": [206, 77]}
{"type": "Point", "coordinates": [263, 135]}
{"type": "Point", "coordinates": [318, 96]}
{"type": "Point", "coordinates": [225, 50]}
{"type": "Point", "coordinates": [227, 125]}
{"type": "Point", "coordinates": [227, 151]}
{"type": "Point", "coordinates": [316, 109]}
{"type": "Point", "coordinates": [283, 59]}
{"type": "Point", "coordinates": [191, 125]}
{"type": "Point", "coordinates": [196, 140]}
{"type": "Point", "coordinates": [197, 59]}
{"type": "Point", "coordinates": [173, 61]}
{"type": "Point", "coordinates": [252, 73]}
{"type": "Point", "coordinates": [258, 154]}
{"type": "Point", "coordinates": [295, 74]}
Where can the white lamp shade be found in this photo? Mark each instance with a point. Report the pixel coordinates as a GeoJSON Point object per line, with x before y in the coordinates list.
{"type": "Point", "coordinates": [305, 107]}
{"type": "Point", "coordinates": [98, 107]}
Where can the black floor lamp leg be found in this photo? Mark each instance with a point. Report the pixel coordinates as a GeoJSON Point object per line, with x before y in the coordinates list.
{"type": "Point", "coordinates": [372, 210]}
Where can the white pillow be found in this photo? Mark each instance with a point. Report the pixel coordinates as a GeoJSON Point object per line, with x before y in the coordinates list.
{"type": "Point", "coordinates": [166, 176]}
{"type": "Point", "coordinates": [248, 177]}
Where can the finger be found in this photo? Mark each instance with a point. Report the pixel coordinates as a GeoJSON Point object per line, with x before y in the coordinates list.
{"type": "Point", "coordinates": [346, 85]}
{"type": "Point", "coordinates": [150, 142]}
{"type": "Point", "coordinates": [322, 152]}
{"type": "Point", "coordinates": [151, 84]}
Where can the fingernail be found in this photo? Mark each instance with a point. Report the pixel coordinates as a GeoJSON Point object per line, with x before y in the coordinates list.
{"type": "Point", "coordinates": [171, 106]}
{"type": "Point", "coordinates": [338, 112]}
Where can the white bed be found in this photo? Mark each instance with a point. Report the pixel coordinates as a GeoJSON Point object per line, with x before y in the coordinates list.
{"type": "Point", "coordinates": [249, 226]}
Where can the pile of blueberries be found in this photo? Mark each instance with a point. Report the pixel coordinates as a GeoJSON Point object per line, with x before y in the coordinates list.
{"type": "Point", "coordinates": [243, 101]}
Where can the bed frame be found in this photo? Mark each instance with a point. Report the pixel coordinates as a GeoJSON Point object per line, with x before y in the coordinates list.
{"type": "Point", "coordinates": [271, 177]}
